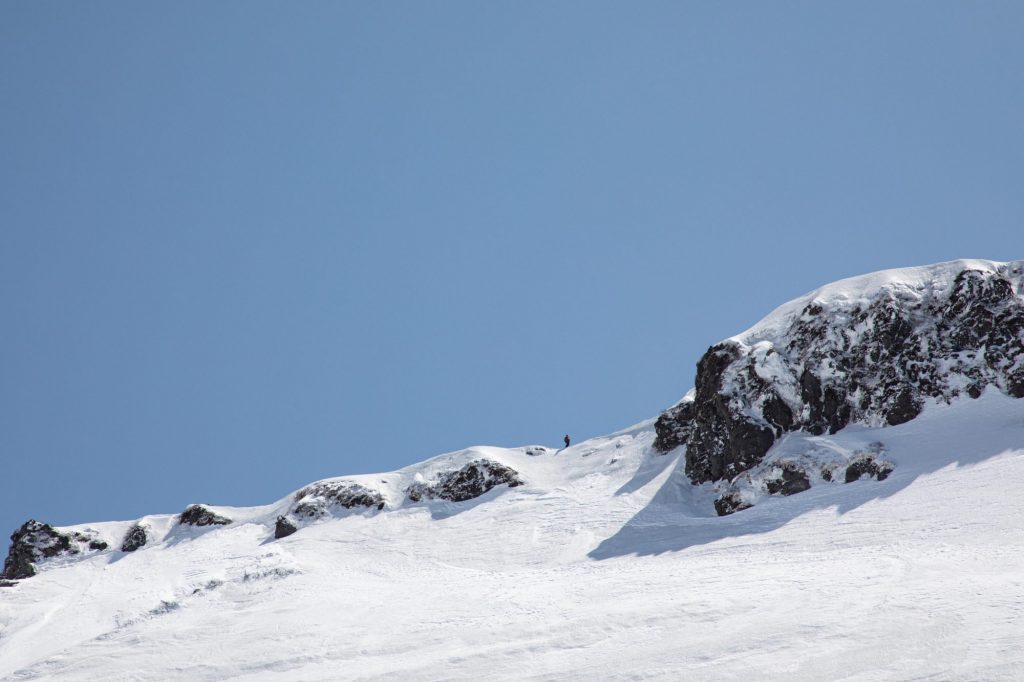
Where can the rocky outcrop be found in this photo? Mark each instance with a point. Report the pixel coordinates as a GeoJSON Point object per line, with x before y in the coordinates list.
{"type": "Point", "coordinates": [283, 528]}
{"type": "Point", "coordinates": [135, 538]}
{"type": "Point", "coordinates": [198, 515]}
{"type": "Point", "coordinates": [316, 500]}
{"type": "Point", "coordinates": [868, 466]}
{"type": "Point", "coordinates": [778, 477]}
{"type": "Point", "coordinates": [730, 503]}
{"type": "Point", "coordinates": [791, 480]}
{"type": "Point", "coordinates": [36, 541]}
{"type": "Point", "coordinates": [472, 480]}
{"type": "Point", "coordinates": [673, 426]}
{"type": "Point", "coordinates": [870, 359]}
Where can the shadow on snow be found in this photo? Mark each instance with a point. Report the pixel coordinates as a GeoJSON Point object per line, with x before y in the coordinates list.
{"type": "Point", "coordinates": [681, 515]}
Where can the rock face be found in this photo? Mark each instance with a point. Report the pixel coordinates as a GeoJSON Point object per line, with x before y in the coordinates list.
{"type": "Point", "coordinates": [198, 515]}
{"type": "Point", "coordinates": [472, 480]}
{"type": "Point", "coordinates": [135, 538]}
{"type": "Point", "coordinates": [870, 350]}
{"type": "Point", "coordinates": [36, 541]}
{"type": "Point", "coordinates": [316, 500]}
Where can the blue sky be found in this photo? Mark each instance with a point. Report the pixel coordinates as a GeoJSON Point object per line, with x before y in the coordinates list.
{"type": "Point", "coordinates": [244, 246]}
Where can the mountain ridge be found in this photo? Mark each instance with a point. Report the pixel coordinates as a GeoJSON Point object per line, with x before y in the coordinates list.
{"type": "Point", "coordinates": [809, 564]}
{"type": "Point", "coordinates": [728, 430]}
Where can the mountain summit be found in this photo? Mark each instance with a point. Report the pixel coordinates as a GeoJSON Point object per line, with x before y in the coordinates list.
{"type": "Point", "coordinates": [871, 350]}
{"type": "Point", "coordinates": [838, 496]}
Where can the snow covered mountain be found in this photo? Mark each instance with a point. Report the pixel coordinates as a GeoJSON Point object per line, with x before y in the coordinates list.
{"type": "Point", "coordinates": [871, 350]}
{"type": "Point", "coordinates": [838, 498]}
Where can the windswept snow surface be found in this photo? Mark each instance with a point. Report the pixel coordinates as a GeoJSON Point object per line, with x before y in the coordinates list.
{"type": "Point", "coordinates": [605, 564]}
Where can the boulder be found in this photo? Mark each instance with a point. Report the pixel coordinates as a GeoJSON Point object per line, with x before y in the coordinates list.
{"type": "Point", "coordinates": [283, 528]}
{"type": "Point", "coordinates": [730, 503]}
{"type": "Point", "coordinates": [791, 480]}
{"type": "Point", "coordinates": [198, 515]}
{"type": "Point", "coordinates": [471, 481]}
{"type": "Point", "coordinates": [868, 466]}
{"type": "Point", "coordinates": [135, 538]}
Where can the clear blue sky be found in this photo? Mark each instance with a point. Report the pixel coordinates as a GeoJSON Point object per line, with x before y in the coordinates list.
{"type": "Point", "coordinates": [247, 245]}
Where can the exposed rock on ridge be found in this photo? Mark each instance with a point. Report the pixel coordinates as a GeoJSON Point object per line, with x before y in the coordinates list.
{"type": "Point", "coordinates": [198, 515]}
{"type": "Point", "coordinates": [315, 500]}
{"type": "Point", "coordinates": [36, 541]}
{"type": "Point", "coordinates": [472, 480]}
{"type": "Point", "coordinates": [135, 538]}
{"type": "Point", "coordinates": [872, 358]}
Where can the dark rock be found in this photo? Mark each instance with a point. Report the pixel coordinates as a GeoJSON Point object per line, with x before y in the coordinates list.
{"type": "Point", "coordinates": [1015, 384]}
{"type": "Point", "coordinates": [283, 528]}
{"type": "Point", "coordinates": [36, 541]}
{"type": "Point", "coordinates": [20, 556]}
{"type": "Point", "coordinates": [724, 443]}
{"type": "Point", "coordinates": [135, 538]}
{"type": "Point", "coordinates": [778, 414]}
{"type": "Point", "coordinates": [672, 427]}
{"type": "Point", "coordinates": [903, 407]}
{"type": "Point", "coordinates": [198, 515]}
{"type": "Point", "coordinates": [810, 392]}
{"type": "Point", "coordinates": [867, 466]}
{"type": "Point", "coordinates": [471, 481]}
{"type": "Point", "coordinates": [8, 583]}
{"type": "Point", "coordinates": [316, 500]}
{"type": "Point", "coordinates": [792, 480]}
{"type": "Point", "coordinates": [730, 503]}
{"type": "Point", "coordinates": [835, 410]}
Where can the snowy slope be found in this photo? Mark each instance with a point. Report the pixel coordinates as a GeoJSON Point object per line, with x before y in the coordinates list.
{"type": "Point", "coordinates": [594, 568]}
{"type": "Point", "coordinates": [606, 563]}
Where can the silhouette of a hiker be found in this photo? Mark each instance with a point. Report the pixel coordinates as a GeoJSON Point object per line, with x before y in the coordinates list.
{"type": "Point", "coordinates": [566, 440]}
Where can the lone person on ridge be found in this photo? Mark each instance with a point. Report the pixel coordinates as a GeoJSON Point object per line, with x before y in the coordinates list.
{"type": "Point", "coordinates": [566, 440]}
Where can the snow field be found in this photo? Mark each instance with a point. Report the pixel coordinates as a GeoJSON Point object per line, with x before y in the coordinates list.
{"type": "Point", "coordinates": [606, 564]}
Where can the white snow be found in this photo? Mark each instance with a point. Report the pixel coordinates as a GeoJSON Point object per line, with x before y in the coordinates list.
{"type": "Point", "coordinates": [606, 564]}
